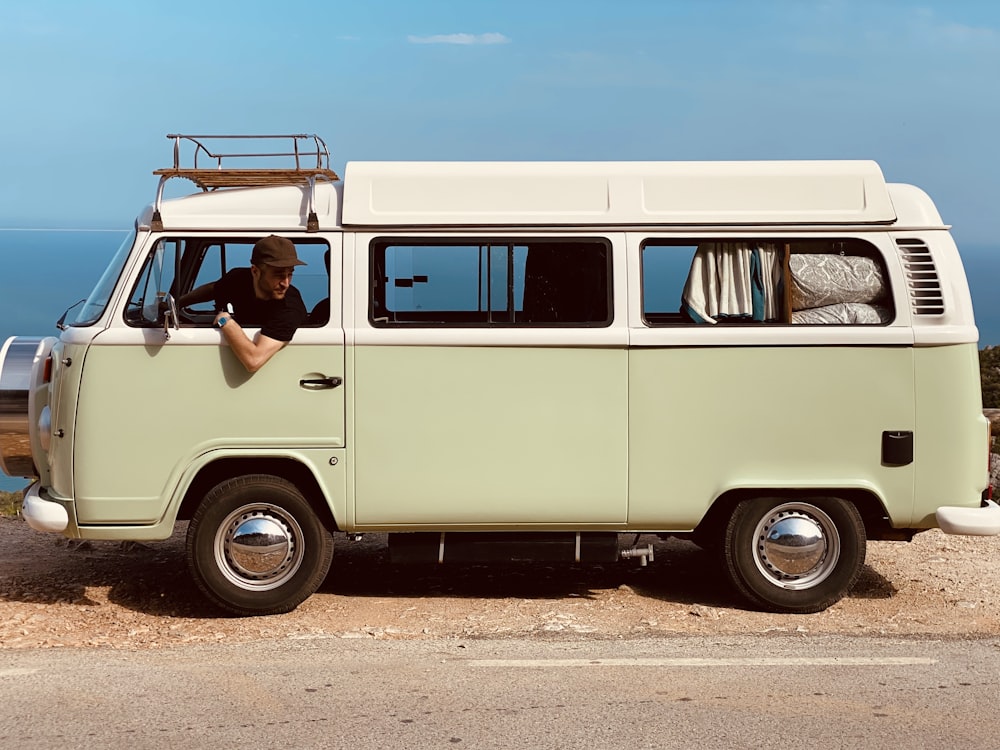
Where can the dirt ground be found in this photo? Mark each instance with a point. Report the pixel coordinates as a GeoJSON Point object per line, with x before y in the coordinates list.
{"type": "Point", "coordinates": [60, 593]}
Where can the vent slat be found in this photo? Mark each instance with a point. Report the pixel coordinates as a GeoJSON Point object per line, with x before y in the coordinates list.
{"type": "Point", "coordinates": [923, 283]}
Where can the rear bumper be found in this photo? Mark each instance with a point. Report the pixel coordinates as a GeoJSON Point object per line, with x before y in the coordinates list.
{"type": "Point", "coordinates": [43, 514]}
{"type": "Point", "coordinates": [982, 521]}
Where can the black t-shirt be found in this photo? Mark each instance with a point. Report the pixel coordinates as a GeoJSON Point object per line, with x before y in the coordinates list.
{"type": "Point", "coordinates": [278, 318]}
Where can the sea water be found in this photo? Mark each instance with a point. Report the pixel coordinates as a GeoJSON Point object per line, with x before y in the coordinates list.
{"type": "Point", "coordinates": [45, 271]}
{"type": "Point", "coordinates": [42, 272]}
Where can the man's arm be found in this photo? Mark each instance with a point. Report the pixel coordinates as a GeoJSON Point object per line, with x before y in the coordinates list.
{"type": "Point", "coordinates": [252, 354]}
{"type": "Point", "coordinates": [204, 293]}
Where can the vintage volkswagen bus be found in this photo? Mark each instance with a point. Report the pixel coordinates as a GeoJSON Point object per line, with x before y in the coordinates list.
{"type": "Point", "coordinates": [518, 361]}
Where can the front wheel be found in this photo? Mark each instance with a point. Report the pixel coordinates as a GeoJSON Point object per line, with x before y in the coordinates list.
{"type": "Point", "coordinates": [256, 547]}
{"type": "Point", "coordinates": [795, 556]}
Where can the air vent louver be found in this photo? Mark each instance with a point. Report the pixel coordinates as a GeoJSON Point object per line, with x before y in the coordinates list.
{"type": "Point", "coordinates": [922, 280]}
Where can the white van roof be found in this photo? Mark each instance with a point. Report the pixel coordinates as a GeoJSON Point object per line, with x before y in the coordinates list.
{"type": "Point", "coordinates": [551, 194]}
{"type": "Point", "coordinates": [615, 193]}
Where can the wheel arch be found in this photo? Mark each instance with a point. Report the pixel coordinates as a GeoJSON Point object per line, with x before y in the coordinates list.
{"type": "Point", "coordinates": [291, 469]}
{"type": "Point", "coordinates": [869, 505]}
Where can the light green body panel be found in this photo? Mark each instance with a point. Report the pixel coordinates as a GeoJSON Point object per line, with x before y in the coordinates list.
{"type": "Point", "coordinates": [706, 420]}
{"type": "Point", "coordinates": [523, 437]}
{"type": "Point", "coordinates": [950, 450]}
{"type": "Point", "coordinates": [153, 412]}
{"type": "Point", "coordinates": [330, 475]}
{"type": "Point", "coordinates": [490, 436]}
{"type": "Point", "coordinates": [67, 370]}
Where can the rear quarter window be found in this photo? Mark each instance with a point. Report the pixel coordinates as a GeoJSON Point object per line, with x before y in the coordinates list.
{"type": "Point", "coordinates": [764, 282]}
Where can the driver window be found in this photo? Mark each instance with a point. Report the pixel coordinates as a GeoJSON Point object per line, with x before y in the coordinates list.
{"type": "Point", "coordinates": [176, 266]}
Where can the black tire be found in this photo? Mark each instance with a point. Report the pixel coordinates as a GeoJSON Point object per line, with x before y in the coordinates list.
{"type": "Point", "coordinates": [256, 547]}
{"type": "Point", "coordinates": [794, 555]}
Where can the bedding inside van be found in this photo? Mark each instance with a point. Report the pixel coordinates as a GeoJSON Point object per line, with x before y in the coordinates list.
{"type": "Point", "coordinates": [745, 282]}
{"type": "Point", "coordinates": [844, 313]}
{"type": "Point", "coordinates": [823, 279]}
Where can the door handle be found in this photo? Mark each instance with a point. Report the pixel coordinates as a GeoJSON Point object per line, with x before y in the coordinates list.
{"type": "Point", "coordinates": [319, 384]}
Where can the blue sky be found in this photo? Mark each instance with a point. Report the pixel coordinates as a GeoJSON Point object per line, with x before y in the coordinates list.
{"type": "Point", "coordinates": [89, 89]}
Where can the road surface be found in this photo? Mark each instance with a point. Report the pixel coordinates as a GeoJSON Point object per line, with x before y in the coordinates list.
{"type": "Point", "coordinates": [325, 692]}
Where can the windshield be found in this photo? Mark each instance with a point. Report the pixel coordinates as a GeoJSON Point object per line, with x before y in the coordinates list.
{"type": "Point", "coordinates": [94, 306]}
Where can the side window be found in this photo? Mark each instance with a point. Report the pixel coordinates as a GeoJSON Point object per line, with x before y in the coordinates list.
{"type": "Point", "coordinates": [664, 272]}
{"type": "Point", "coordinates": [491, 283]}
{"type": "Point", "coordinates": [178, 266]}
{"type": "Point", "coordinates": [802, 282]}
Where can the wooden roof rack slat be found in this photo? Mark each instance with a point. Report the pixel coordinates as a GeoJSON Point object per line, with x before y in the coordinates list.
{"type": "Point", "coordinates": [308, 154]}
{"type": "Point", "coordinates": [210, 179]}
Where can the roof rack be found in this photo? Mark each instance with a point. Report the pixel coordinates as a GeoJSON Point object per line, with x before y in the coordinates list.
{"type": "Point", "coordinates": [308, 154]}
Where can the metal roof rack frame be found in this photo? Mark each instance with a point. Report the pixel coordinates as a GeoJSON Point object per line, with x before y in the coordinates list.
{"type": "Point", "coordinates": [301, 148]}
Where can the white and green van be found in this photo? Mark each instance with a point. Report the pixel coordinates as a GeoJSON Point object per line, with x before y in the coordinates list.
{"type": "Point", "coordinates": [506, 361]}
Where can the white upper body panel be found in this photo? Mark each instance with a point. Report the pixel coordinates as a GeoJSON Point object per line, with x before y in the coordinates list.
{"type": "Point", "coordinates": [562, 194]}
{"type": "Point", "coordinates": [282, 208]}
{"type": "Point", "coordinates": [663, 198]}
{"type": "Point", "coordinates": [614, 193]}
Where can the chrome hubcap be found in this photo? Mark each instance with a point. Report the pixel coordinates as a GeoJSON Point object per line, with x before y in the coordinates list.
{"type": "Point", "coordinates": [796, 546]}
{"type": "Point", "coordinates": [259, 546]}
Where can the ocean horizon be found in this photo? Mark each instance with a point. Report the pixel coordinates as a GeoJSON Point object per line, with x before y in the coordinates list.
{"type": "Point", "coordinates": [50, 269]}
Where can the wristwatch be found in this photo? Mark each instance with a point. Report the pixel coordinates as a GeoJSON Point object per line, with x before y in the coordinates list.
{"type": "Point", "coordinates": [222, 321]}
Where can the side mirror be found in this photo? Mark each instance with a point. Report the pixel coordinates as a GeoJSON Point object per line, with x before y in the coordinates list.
{"type": "Point", "coordinates": [170, 316]}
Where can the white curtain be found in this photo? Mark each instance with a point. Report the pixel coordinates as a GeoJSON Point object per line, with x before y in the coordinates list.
{"type": "Point", "coordinates": [733, 280]}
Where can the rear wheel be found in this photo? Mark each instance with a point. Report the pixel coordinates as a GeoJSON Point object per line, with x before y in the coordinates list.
{"type": "Point", "coordinates": [256, 547]}
{"type": "Point", "coordinates": [794, 555]}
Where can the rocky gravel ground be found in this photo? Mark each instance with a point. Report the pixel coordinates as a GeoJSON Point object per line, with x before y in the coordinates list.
{"type": "Point", "coordinates": [60, 593]}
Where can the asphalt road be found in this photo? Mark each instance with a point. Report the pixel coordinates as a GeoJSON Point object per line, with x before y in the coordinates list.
{"type": "Point", "coordinates": [782, 691]}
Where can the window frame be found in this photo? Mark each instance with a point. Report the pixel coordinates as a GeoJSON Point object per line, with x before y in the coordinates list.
{"type": "Point", "coordinates": [194, 250]}
{"type": "Point", "coordinates": [377, 280]}
{"type": "Point", "coordinates": [680, 320]}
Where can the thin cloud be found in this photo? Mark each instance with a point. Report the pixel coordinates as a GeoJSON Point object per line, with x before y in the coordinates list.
{"type": "Point", "coordinates": [465, 39]}
{"type": "Point", "coordinates": [929, 25]}
{"type": "Point", "coordinates": [962, 33]}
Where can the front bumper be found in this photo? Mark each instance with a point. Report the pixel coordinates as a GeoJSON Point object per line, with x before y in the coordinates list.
{"type": "Point", "coordinates": [982, 521]}
{"type": "Point", "coordinates": [43, 514]}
